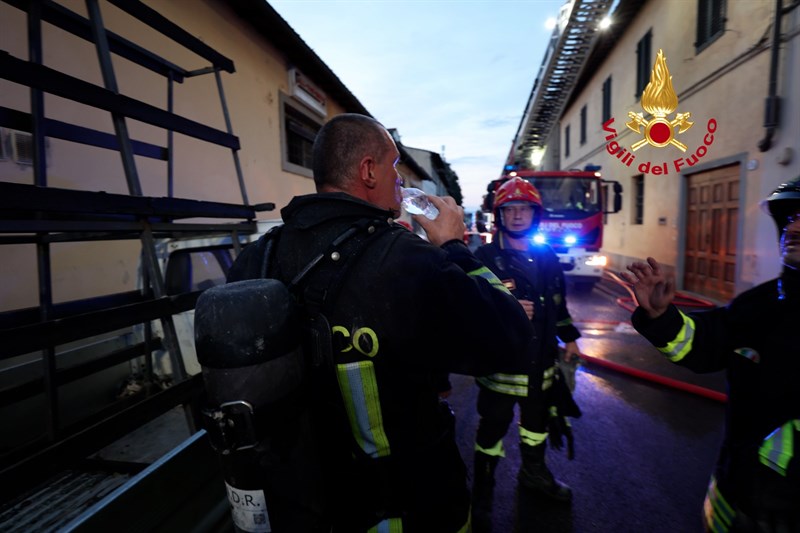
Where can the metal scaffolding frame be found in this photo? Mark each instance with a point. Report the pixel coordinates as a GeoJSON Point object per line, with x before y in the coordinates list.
{"type": "Point", "coordinates": [41, 215]}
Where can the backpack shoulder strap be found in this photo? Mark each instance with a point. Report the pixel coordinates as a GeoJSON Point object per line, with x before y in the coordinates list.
{"type": "Point", "coordinates": [318, 284]}
{"type": "Point", "coordinates": [255, 259]}
{"type": "Point", "coordinates": [267, 260]}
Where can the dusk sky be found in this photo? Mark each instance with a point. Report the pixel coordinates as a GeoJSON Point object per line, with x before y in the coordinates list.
{"type": "Point", "coordinates": [452, 76]}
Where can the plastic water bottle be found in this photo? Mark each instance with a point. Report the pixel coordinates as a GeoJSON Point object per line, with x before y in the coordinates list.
{"type": "Point", "coordinates": [416, 202]}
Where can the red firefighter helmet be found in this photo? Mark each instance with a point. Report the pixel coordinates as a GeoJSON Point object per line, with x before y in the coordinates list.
{"type": "Point", "coordinates": [517, 190]}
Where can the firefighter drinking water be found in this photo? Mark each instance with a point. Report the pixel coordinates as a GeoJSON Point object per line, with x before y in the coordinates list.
{"type": "Point", "coordinates": [394, 309]}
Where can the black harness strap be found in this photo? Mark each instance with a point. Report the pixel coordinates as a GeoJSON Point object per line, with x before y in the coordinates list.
{"type": "Point", "coordinates": [317, 287]}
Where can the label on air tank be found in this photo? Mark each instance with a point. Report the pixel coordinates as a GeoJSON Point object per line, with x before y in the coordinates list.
{"type": "Point", "coordinates": [249, 510]}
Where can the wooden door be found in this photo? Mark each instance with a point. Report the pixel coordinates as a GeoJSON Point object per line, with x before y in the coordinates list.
{"type": "Point", "coordinates": [712, 224]}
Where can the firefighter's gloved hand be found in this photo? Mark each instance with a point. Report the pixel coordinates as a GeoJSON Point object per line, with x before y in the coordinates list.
{"type": "Point", "coordinates": [559, 430]}
{"type": "Point", "coordinates": [562, 405]}
{"type": "Point", "coordinates": [567, 362]}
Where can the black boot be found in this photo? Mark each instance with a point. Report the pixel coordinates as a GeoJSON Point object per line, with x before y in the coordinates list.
{"type": "Point", "coordinates": [535, 475]}
{"type": "Point", "coordinates": [483, 491]}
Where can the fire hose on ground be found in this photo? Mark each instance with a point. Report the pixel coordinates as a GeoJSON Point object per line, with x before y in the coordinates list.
{"type": "Point", "coordinates": [629, 303]}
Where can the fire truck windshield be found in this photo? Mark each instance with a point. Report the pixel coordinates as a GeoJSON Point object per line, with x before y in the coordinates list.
{"type": "Point", "coordinates": [568, 197]}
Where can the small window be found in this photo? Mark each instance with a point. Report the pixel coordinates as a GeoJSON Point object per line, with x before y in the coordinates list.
{"type": "Point", "coordinates": [16, 146]}
{"type": "Point", "coordinates": [710, 22]}
{"type": "Point", "coordinates": [298, 131]}
{"type": "Point", "coordinates": [566, 141]}
{"type": "Point", "coordinates": [583, 125]}
{"type": "Point", "coordinates": [644, 64]}
{"type": "Point", "coordinates": [638, 191]}
{"type": "Point", "coordinates": [607, 100]}
{"type": "Point", "coordinates": [23, 147]}
{"type": "Point", "coordinates": [5, 145]}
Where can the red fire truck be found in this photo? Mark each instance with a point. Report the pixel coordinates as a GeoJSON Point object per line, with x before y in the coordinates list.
{"type": "Point", "coordinates": [575, 203]}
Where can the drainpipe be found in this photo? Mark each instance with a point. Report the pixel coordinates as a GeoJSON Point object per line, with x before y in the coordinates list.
{"type": "Point", "coordinates": [773, 101]}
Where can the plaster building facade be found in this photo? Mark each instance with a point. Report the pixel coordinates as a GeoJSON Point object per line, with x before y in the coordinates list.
{"type": "Point", "coordinates": [691, 196]}
{"type": "Point", "coordinates": [269, 91]}
{"type": "Point", "coordinates": [142, 144]}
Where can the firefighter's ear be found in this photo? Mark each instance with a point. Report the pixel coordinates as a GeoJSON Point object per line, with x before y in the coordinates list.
{"type": "Point", "coordinates": [367, 173]}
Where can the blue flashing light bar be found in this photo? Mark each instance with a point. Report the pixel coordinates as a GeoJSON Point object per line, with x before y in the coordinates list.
{"type": "Point", "coordinates": [569, 240]}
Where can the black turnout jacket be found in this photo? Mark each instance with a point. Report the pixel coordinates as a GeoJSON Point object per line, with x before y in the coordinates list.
{"type": "Point", "coordinates": [534, 274]}
{"type": "Point", "coordinates": [756, 340]}
{"type": "Point", "coordinates": [405, 312]}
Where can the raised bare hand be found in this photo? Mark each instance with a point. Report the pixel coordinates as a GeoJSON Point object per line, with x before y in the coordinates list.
{"type": "Point", "coordinates": [653, 287]}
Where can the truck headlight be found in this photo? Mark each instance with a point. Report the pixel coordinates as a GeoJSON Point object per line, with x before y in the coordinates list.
{"type": "Point", "coordinates": [596, 260]}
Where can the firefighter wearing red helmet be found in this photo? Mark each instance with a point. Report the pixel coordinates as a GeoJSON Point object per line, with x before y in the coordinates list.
{"type": "Point", "coordinates": [517, 191]}
{"type": "Point", "coordinates": [533, 274]}
{"type": "Point", "coordinates": [755, 487]}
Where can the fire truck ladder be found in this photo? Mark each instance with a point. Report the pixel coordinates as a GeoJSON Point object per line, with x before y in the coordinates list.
{"type": "Point", "coordinates": [563, 62]}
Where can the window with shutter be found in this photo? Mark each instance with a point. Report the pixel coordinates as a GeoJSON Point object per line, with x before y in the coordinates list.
{"type": "Point", "coordinates": [643, 63]}
{"type": "Point", "coordinates": [710, 22]}
{"type": "Point", "coordinates": [583, 125]}
{"type": "Point", "coordinates": [298, 131]}
{"type": "Point", "coordinates": [638, 195]}
{"type": "Point", "coordinates": [5, 145]}
{"type": "Point", "coordinates": [23, 147]}
{"type": "Point", "coordinates": [607, 100]}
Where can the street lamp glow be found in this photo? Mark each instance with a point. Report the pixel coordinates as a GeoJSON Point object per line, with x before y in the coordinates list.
{"type": "Point", "coordinates": [550, 23]}
{"type": "Point", "coordinates": [605, 23]}
{"type": "Point", "coordinates": [536, 156]}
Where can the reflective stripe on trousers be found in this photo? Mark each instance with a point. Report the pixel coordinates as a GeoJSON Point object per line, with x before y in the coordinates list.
{"type": "Point", "coordinates": [395, 525]}
{"type": "Point", "coordinates": [717, 512]}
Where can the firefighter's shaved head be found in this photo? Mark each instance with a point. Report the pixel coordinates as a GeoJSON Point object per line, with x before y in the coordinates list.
{"type": "Point", "coordinates": [340, 147]}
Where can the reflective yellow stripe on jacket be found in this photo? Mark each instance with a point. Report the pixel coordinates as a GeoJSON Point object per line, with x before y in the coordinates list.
{"type": "Point", "coordinates": [489, 276]}
{"type": "Point", "coordinates": [778, 448]}
{"type": "Point", "coordinates": [514, 384]}
{"type": "Point", "coordinates": [677, 349]}
{"type": "Point", "coordinates": [360, 393]}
